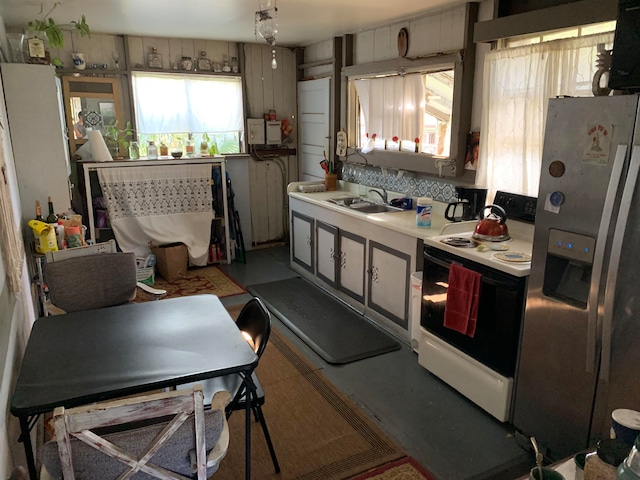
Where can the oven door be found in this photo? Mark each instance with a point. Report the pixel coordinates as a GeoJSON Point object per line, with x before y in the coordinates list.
{"type": "Point", "coordinates": [497, 336]}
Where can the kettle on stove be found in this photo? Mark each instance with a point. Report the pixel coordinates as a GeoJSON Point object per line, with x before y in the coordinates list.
{"type": "Point", "coordinates": [492, 226]}
{"type": "Point", "coordinates": [468, 206]}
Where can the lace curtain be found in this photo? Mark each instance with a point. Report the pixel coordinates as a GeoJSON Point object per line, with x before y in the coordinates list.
{"type": "Point", "coordinates": [180, 103]}
{"type": "Point", "coordinates": [393, 106]}
{"type": "Point", "coordinates": [518, 82]}
{"type": "Point", "coordinates": [163, 204]}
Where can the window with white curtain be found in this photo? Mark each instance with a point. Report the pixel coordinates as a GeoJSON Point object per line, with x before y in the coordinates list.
{"type": "Point", "coordinates": [177, 108]}
{"type": "Point", "coordinates": [518, 82]}
{"type": "Point", "coordinates": [409, 112]}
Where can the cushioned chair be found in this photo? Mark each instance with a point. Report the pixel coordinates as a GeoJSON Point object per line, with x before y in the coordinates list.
{"type": "Point", "coordinates": [172, 444]}
{"type": "Point", "coordinates": [88, 278]}
{"type": "Point", "coordinates": [254, 322]}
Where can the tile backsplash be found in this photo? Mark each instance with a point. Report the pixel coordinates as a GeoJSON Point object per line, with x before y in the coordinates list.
{"type": "Point", "coordinates": [418, 187]}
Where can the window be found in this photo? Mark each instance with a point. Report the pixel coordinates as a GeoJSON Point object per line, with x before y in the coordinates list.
{"type": "Point", "coordinates": [405, 112]}
{"type": "Point", "coordinates": [517, 84]}
{"type": "Point", "coordinates": [189, 110]}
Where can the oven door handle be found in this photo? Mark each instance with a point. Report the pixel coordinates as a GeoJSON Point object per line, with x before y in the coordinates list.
{"type": "Point", "coordinates": [489, 281]}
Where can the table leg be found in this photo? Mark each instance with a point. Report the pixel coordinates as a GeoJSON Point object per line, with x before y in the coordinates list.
{"type": "Point", "coordinates": [25, 438]}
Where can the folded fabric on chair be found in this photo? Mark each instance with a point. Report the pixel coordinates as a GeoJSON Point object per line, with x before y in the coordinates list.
{"type": "Point", "coordinates": [463, 297]}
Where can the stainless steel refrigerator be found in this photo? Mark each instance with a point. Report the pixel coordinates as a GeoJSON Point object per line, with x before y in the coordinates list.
{"type": "Point", "coordinates": [580, 349]}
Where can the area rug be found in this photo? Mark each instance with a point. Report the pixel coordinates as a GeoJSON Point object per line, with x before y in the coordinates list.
{"type": "Point", "coordinates": [318, 434]}
{"type": "Point", "coordinates": [198, 281]}
{"type": "Point", "coordinates": [334, 331]}
{"type": "Point", "coordinates": [404, 469]}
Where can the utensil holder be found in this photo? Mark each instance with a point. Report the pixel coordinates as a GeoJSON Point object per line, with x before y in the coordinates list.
{"type": "Point", "coordinates": [331, 181]}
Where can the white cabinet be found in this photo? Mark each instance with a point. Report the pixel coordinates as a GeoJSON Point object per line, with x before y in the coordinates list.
{"type": "Point", "coordinates": [389, 282]}
{"type": "Point", "coordinates": [351, 274]}
{"type": "Point", "coordinates": [327, 253]}
{"type": "Point", "coordinates": [33, 96]}
{"type": "Point", "coordinates": [302, 240]}
{"type": "Point", "coordinates": [370, 270]}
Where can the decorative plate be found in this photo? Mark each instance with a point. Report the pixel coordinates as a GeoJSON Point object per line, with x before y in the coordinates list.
{"type": "Point", "coordinates": [513, 257]}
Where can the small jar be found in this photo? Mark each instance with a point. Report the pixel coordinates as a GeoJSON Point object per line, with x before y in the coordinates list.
{"type": "Point", "coordinates": [234, 64]}
{"type": "Point", "coordinates": [134, 150]}
{"type": "Point", "coordinates": [152, 150]}
{"type": "Point", "coordinates": [603, 463]}
{"type": "Point", "coordinates": [423, 212]}
{"type": "Point", "coordinates": [164, 150]}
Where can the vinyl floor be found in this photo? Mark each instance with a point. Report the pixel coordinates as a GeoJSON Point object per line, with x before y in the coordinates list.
{"type": "Point", "coordinates": [450, 436]}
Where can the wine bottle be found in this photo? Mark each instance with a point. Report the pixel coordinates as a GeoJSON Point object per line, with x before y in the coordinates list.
{"type": "Point", "coordinates": [52, 217]}
{"type": "Point", "coordinates": [39, 212]}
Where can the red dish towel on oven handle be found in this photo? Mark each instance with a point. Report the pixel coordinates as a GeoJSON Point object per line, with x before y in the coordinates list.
{"type": "Point", "coordinates": [463, 297]}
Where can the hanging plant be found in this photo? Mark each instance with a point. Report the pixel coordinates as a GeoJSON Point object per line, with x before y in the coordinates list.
{"type": "Point", "coordinates": [54, 31]}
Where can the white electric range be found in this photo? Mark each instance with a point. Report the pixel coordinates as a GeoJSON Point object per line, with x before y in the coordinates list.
{"type": "Point", "coordinates": [481, 366]}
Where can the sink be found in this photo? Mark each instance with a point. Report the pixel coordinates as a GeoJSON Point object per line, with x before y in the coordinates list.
{"type": "Point", "coordinates": [363, 205]}
{"type": "Point", "coordinates": [348, 201]}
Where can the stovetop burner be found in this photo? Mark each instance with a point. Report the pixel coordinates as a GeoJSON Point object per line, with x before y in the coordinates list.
{"type": "Point", "coordinates": [459, 242]}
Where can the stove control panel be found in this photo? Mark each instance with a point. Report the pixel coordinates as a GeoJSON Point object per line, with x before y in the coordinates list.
{"type": "Point", "coordinates": [517, 207]}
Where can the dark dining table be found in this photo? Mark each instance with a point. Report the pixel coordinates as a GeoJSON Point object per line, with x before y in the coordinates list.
{"type": "Point", "coordinates": [89, 356]}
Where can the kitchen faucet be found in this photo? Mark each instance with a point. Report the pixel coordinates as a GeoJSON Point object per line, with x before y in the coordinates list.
{"type": "Point", "coordinates": [383, 195]}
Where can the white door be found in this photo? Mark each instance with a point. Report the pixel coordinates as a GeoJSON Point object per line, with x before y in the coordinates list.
{"type": "Point", "coordinates": [313, 122]}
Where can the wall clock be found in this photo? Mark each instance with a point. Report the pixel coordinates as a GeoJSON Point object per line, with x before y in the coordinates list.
{"type": "Point", "coordinates": [403, 42]}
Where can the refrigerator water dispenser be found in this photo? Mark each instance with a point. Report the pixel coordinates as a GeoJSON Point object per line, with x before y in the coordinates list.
{"type": "Point", "coordinates": [567, 275]}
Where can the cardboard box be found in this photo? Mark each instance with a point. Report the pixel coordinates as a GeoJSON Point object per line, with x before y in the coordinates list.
{"type": "Point", "coordinates": [146, 275]}
{"type": "Point", "coordinates": [171, 260]}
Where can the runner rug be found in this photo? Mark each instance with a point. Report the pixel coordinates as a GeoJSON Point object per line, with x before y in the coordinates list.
{"type": "Point", "coordinates": [404, 469]}
{"type": "Point", "coordinates": [198, 281]}
{"type": "Point", "coordinates": [334, 331]}
{"type": "Point", "coordinates": [318, 434]}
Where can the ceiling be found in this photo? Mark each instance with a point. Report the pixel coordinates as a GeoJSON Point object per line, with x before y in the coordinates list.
{"type": "Point", "coordinates": [301, 22]}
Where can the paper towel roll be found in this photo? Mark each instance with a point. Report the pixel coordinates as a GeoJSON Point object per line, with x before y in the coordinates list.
{"type": "Point", "coordinates": [99, 150]}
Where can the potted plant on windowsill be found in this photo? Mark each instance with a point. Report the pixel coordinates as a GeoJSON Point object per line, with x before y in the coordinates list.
{"type": "Point", "coordinates": [118, 139]}
{"type": "Point", "coordinates": [45, 32]}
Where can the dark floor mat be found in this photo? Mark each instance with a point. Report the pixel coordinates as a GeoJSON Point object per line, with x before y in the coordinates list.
{"type": "Point", "coordinates": [332, 330]}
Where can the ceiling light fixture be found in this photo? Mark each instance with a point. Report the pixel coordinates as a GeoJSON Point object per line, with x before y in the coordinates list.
{"type": "Point", "coordinates": [267, 21]}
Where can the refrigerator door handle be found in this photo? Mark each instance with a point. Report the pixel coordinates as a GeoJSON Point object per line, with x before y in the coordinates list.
{"type": "Point", "coordinates": [593, 338]}
{"type": "Point", "coordinates": [614, 261]}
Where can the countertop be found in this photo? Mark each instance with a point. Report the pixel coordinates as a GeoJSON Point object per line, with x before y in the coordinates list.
{"type": "Point", "coordinates": [402, 222]}
{"type": "Point", "coordinates": [405, 222]}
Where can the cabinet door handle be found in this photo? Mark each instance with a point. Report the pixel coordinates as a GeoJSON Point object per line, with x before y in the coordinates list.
{"type": "Point", "coordinates": [332, 255]}
{"type": "Point", "coordinates": [374, 273]}
{"type": "Point", "coordinates": [343, 260]}
{"type": "Point", "coordinates": [308, 241]}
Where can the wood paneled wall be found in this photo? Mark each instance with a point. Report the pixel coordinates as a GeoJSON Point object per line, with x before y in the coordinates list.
{"type": "Point", "coordinates": [269, 89]}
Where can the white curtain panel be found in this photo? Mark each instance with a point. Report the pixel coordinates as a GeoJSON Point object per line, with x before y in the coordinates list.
{"type": "Point", "coordinates": [163, 204]}
{"type": "Point", "coordinates": [393, 106]}
{"type": "Point", "coordinates": [518, 82]}
{"type": "Point", "coordinates": [172, 103]}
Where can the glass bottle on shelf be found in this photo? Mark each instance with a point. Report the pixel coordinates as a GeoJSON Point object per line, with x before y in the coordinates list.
{"type": "Point", "coordinates": [52, 217]}
{"type": "Point", "coordinates": [204, 145]}
{"type": "Point", "coordinates": [164, 150]}
{"type": "Point", "coordinates": [134, 150]}
{"type": "Point", "coordinates": [152, 150]}
{"type": "Point", "coordinates": [234, 64]}
{"type": "Point", "coordinates": [39, 212]}
{"type": "Point", "coordinates": [189, 146]}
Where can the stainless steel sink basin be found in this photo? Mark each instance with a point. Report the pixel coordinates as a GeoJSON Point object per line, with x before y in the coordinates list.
{"type": "Point", "coordinates": [363, 205]}
{"type": "Point", "coordinates": [348, 201]}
